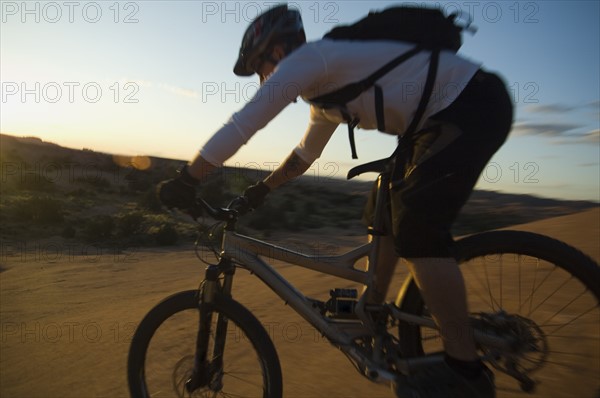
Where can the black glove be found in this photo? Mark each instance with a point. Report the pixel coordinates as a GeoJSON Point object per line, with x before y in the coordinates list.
{"type": "Point", "coordinates": [179, 192]}
{"type": "Point", "coordinates": [256, 194]}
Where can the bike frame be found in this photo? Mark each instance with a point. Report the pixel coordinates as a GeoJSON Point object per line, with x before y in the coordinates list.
{"type": "Point", "coordinates": [342, 333]}
{"type": "Point", "coordinates": [248, 251]}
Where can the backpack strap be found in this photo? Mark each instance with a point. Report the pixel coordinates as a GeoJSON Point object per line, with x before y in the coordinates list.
{"type": "Point", "coordinates": [427, 91]}
{"type": "Point", "coordinates": [404, 149]}
{"type": "Point", "coordinates": [379, 114]}
{"type": "Point", "coordinates": [352, 122]}
{"type": "Point", "coordinates": [339, 98]}
{"type": "Point", "coordinates": [350, 91]}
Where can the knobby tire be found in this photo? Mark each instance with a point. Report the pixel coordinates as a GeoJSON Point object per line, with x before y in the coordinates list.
{"type": "Point", "coordinates": [243, 328]}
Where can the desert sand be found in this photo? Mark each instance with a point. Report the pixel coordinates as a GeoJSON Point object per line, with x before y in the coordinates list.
{"type": "Point", "coordinates": [67, 319]}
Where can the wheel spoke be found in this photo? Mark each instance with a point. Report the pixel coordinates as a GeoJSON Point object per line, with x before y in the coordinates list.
{"type": "Point", "coordinates": [589, 310]}
{"type": "Point", "coordinates": [559, 288]}
{"type": "Point", "coordinates": [249, 361]}
{"type": "Point", "coordinates": [495, 305]}
{"type": "Point", "coordinates": [535, 288]}
{"type": "Point", "coordinates": [539, 292]}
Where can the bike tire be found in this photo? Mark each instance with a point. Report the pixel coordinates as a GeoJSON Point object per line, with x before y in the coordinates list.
{"type": "Point", "coordinates": [245, 329]}
{"type": "Point", "coordinates": [532, 256]}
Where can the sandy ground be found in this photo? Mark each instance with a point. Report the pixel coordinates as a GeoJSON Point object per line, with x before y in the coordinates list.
{"type": "Point", "coordinates": [67, 319]}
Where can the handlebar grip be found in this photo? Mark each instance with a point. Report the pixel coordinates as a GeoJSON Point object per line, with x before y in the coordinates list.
{"type": "Point", "coordinates": [241, 205]}
{"type": "Point", "coordinates": [237, 207]}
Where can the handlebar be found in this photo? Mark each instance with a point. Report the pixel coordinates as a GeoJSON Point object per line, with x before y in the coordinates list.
{"type": "Point", "coordinates": [237, 207]}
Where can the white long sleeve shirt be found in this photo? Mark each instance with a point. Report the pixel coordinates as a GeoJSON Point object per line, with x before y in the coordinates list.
{"type": "Point", "coordinates": [322, 66]}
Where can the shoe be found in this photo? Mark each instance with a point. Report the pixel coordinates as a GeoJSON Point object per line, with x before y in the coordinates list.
{"type": "Point", "coordinates": [441, 381]}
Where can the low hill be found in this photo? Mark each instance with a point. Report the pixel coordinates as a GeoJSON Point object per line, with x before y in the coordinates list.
{"type": "Point", "coordinates": [110, 199]}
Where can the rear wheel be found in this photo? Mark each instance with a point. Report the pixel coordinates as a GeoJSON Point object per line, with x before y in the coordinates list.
{"type": "Point", "coordinates": [539, 290]}
{"type": "Point", "coordinates": [161, 356]}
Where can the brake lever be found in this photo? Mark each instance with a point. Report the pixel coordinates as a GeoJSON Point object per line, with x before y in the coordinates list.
{"type": "Point", "coordinates": [219, 214]}
{"type": "Point", "coordinates": [240, 204]}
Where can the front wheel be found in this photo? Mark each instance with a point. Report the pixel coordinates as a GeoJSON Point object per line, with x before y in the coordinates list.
{"type": "Point", "coordinates": [161, 356]}
{"type": "Point", "coordinates": [541, 292]}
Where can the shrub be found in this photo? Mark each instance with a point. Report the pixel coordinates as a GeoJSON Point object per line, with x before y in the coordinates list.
{"type": "Point", "coordinates": [138, 180]}
{"type": "Point", "coordinates": [129, 224]}
{"type": "Point", "coordinates": [68, 232]}
{"type": "Point", "coordinates": [39, 210]}
{"type": "Point", "coordinates": [99, 183]}
{"type": "Point", "coordinates": [149, 201]}
{"type": "Point", "coordinates": [98, 228]}
{"type": "Point", "coordinates": [34, 182]}
{"type": "Point", "coordinates": [167, 235]}
{"type": "Point", "coordinates": [79, 192]}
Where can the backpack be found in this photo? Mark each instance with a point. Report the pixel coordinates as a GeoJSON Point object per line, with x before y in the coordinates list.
{"type": "Point", "coordinates": [428, 28]}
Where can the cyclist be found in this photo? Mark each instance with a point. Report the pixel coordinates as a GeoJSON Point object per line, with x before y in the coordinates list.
{"type": "Point", "coordinates": [457, 137]}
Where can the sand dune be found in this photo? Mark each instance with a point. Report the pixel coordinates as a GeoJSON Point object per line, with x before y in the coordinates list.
{"type": "Point", "coordinates": [581, 230]}
{"type": "Point", "coordinates": [67, 319]}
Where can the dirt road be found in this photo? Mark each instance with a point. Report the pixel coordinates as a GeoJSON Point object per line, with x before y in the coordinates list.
{"type": "Point", "coordinates": [67, 319]}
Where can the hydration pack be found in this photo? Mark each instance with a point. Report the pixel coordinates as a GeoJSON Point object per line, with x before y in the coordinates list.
{"type": "Point", "coordinates": [428, 28]}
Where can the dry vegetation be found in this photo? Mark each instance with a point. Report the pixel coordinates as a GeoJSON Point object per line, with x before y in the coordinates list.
{"type": "Point", "coordinates": [80, 195]}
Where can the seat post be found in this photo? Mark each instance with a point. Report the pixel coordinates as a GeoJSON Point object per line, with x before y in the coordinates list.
{"type": "Point", "coordinates": [380, 228]}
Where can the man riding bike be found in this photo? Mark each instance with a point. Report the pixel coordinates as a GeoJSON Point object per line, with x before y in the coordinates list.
{"type": "Point", "coordinates": [458, 134]}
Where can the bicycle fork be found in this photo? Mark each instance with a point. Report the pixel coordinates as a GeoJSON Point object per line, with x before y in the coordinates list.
{"type": "Point", "coordinates": [208, 371]}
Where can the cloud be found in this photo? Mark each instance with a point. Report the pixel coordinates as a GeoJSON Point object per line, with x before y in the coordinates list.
{"type": "Point", "coordinates": [592, 137]}
{"type": "Point", "coordinates": [185, 92]}
{"type": "Point", "coordinates": [543, 129]}
{"type": "Point", "coordinates": [563, 108]}
{"type": "Point", "coordinates": [595, 108]}
{"type": "Point", "coordinates": [561, 133]}
{"type": "Point", "coordinates": [594, 104]}
{"type": "Point", "coordinates": [589, 138]}
{"type": "Point", "coordinates": [177, 90]}
{"type": "Point", "coordinates": [551, 108]}
{"type": "Point", "coordinates": [139, 82]}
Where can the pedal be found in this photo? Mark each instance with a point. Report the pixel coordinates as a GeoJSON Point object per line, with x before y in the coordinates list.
{"type": "Point", "coordinates": [342, 303]}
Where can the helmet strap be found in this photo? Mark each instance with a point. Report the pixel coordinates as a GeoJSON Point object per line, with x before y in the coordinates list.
{"type": "Point", "coordinates": [268, 56]}
{"type": "Point", "coordinates": [271, 60]}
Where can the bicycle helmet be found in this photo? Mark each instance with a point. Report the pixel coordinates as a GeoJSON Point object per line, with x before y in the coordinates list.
{"type": "Point", "coordinates": [276, 25]}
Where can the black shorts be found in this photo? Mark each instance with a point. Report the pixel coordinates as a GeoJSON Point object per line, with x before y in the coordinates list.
{"type": "Point", "coordinates": [447, 157]}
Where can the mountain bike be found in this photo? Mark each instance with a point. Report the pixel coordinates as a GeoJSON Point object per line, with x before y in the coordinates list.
{"type": "Point", "coordinates": [534, 305]}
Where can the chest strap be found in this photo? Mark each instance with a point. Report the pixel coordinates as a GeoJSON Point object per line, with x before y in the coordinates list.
{"type": "Point", "coordinates": [340, 98]}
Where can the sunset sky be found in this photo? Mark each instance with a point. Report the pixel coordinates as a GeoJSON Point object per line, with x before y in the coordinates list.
{"type": "Point", "coordinates": [155, 78]}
